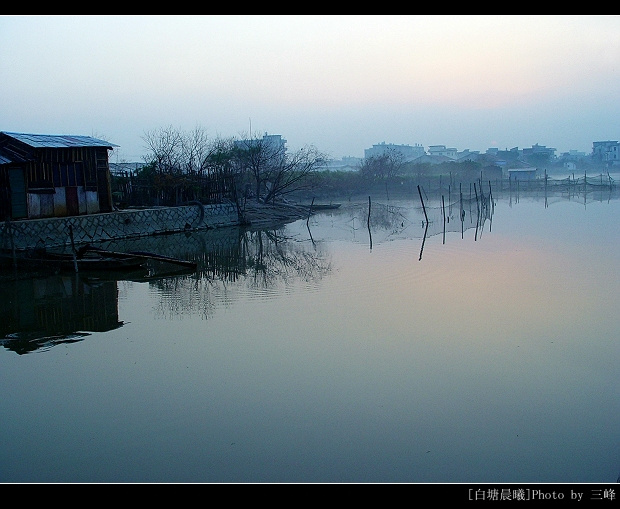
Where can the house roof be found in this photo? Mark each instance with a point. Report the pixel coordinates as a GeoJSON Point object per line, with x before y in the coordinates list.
{"type": "Point", "coordinates": [529, 168]}
{"type": "Point", "coordinates": [58, 140]}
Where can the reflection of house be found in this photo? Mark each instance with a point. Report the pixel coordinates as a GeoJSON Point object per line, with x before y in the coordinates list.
{"type": "Point", "coordinates": [47, 311]}
{"type": "Point", "coordinates": [53, 175]}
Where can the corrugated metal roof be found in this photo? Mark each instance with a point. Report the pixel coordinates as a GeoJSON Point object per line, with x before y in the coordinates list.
{"type": "Point", "coordinates": [58, 140]}
{"type": "Point", "coordinates": [5, 160]}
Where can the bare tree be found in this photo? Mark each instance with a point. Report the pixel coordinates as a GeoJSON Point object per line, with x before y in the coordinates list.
{"type": "Point", "coordinates": [195, 151]}
{"type": "Point", "coordinates": [384, 166]}
{"type": "Point", "coordinates": [294, 173]}
{"type": "Point", "coordinates": [165, 149]}
{"type": "Point", "coordinates": [185, 164]}
{"type": "Point", "coordinates": [257, 157]}
{"type": "Point", "coordinates": [273, 171]}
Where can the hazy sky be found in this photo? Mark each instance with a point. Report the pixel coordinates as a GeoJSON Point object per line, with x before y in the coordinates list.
{"type": "Point", "coordinates": [340, 83]}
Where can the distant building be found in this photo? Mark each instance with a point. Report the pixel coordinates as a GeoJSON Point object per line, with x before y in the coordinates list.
{"type": "Point", "coordinates": [273, 141]}
{"type": "Point", "coordinates": [442, 150]}
{"type": "Point", "coordinates": [467, 155]}
{"type": "Point", "coordinates": [573, 155]}
{"type": "Point", "coordinates": [409, 152]}
{"type": "Point", "coordinates": [539, 150]}
{"type": "Point", "coordinates": [526, 173]}
{"type": "Point", "coordinates": [605, 152]}
{"type": "Point", "coordinates": [125, 169]}
{"type": "Point", "coordinates": [569, 165]}
{"type": "Point", "coordinates": [429, 159]}
{"type": "Point", "coordinates": [344, 164]}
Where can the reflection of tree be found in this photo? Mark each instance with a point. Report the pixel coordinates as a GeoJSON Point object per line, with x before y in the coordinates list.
{"type": "Point", "coordinates": [248, 260]}
{"type": "Point", "coordinates": [273, 259]}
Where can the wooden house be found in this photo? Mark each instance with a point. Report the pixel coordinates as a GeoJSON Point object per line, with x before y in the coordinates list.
{"type": "Point", "coordinates": [53, 176]}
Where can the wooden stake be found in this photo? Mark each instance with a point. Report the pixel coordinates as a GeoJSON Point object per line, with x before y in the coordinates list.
{"type": "Point", "coordinates": [423, 207]}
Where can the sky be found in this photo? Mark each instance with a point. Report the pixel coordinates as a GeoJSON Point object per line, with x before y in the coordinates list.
{"type": "Point", "coordinates": [338, 83]}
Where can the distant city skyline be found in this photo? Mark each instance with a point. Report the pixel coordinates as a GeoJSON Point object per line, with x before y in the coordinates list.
{"type": "Point", "coordinates": [340, 83]}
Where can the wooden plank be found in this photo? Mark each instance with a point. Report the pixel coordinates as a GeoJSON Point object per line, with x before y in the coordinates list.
{"type": "Point", "coordinates": [145, 255]}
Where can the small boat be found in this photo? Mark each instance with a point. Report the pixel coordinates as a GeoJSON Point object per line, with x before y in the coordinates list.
{"type": "Point", "coordinates": [80, 261]}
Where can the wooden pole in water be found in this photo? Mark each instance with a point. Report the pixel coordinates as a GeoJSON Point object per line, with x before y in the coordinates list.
{"type": "Point", "coordinates": [477, 204]}
{"type": "Point", "coordinates": [423, 207]}
{"type": "Point", "coordinates": [443, 207]}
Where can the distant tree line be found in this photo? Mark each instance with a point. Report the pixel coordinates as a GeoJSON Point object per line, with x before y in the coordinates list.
{"type": "Point", "coordinates": [185, 166]}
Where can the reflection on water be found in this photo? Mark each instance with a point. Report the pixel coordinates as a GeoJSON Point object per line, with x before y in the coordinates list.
{"type": "Point", "coordinates": [233, 262]}
{"type": "Point", "coordinates": [476, 343]}
{"type": "Point", "coordinates": [257, 263]}
{"type": "Point", "coordinates": [46, 310]}
{"type": "Point", "coordinates": [41, 312]}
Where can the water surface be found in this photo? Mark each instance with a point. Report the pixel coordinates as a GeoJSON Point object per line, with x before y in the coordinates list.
{"type": "Point", "coordinates": [331, 351]}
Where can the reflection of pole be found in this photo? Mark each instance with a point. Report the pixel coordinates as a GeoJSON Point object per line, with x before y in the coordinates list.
{"type": "Point", "coordinates": [478, 210]}
{"type": "Point", "coordinates": [310, 233]}
{"type": "Point", "coordinates": [423, 240]}
{"type": "Point", "coordinates": [443, 207]}
{"type": "Point", "coordinates": [368, 223]}
{"type": "Point", "coordinates": [423, 207]}
{"type": "Point", "coordinates": [75, 265]}
{"type": "Point", "coordinates": [461, 211]}
{"type": "Point", "coordinates": [308, 221]}
{"type": "Point", "coordinates": [310, 211]}
{"type": "Point", "coordinates": [9, 230]}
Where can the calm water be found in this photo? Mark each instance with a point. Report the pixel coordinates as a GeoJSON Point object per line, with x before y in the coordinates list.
{"type": "Point", "coordinates": [326, 351]}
